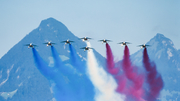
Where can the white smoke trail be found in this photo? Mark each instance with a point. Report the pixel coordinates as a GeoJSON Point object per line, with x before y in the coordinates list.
{"type": "Point", "coordinates": [105, 85]}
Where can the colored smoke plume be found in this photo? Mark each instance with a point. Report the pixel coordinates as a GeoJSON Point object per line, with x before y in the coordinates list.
{"type": "Point", "coordinates": [130, 82]}
{"type": "Point", "coordinates": [75, 60]}
{"type": "Point", "coordinates": [136, 81]}
{"type": "Point", "coordinates": [55, 77]}
{"type": "Point", "coordinates": [66, 84]}
{"type": "Point", "coordinates": [121, 79]}
{"type": "Point", "coordinates": [77, 84]}
{"type": "Point", "coordinates": [81, 66]}
{"type": "Point", "coordinates": [42, 65]}
{"type": "Point", "coordinates": [110, 61]}
{"type": "Point", "coordinates": [58, 63]}
{"type": "Point", "coordinates": [105, 85]}
{"type": "Point", "coordinates": [154, 79]}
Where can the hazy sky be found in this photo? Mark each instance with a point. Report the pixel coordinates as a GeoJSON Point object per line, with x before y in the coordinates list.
{"type": "Point", "coordinates": [136, 21]}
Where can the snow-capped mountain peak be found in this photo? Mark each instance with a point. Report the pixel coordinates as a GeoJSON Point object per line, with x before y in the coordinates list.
{"type": "Point", "coordinates": [167, 60]}
{"type": "Point", "coordinates": [53, 25]}
{"type": "Point", "coordinates": [161, 40]}
{"type": "Point", "coordinates": [17, 68]}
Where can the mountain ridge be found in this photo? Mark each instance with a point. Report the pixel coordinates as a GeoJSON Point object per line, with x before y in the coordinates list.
{"type": "Point", "coordinates": [167, 59]}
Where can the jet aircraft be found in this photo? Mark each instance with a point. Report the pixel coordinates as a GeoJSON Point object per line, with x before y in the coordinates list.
{"type": "Point", "coordinates": [86, 48]}
{"type": "Point", "coordinates": [105, 41]}
{"type": "Point", "coordinates": [124, 43]}
{"type": "Point", "coordinates": [67, 42]}
{"type": "Point", "coordinates": [143, 46]}
{"type": "Point", "coordinates": [31, 45]}
{"type": "Point", "coordinates": [49, 43]}
{"type": "Point", "coordinates": [85, 38]}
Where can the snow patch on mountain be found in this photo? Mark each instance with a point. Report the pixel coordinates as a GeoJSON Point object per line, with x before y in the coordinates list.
{"type": "Point", "coordinates": [158, 54]}
{"type": "Point", "coordinates": [17, 69]}
{"type": "Point", "coordinates": [51, 62]}
{"type": "Point", "coordinates": [83, 58]}
{"type": "Point", "coordinates": [18, 77]}
{"type": "Point", "coordinates": [20, 84]}
{"type": "Point", "coordinates": [169, 53]}
{"type": "Point", "coordinates": [55, 31]}
{"type": "Point", "coordinates": [66, 79]}
{"type": "Point", "coordinates": [63, 57]}
{"type": "Point", "coordinates": [7, 95]}
{"type": "Point", "coordinates": [52, 86]}
{"type": "Point", "coordinates": [53, 99]}
{"type": "Point", "coordinates": [8, 73]}
{"type": "Point", "coordinates": [170, 42]}
{"type": "Point", "coordinates": [175, 80]}
{"type": "Point", "coordinates": [164, 43]}
{"type": "Point", "coordinates": [1, 73]}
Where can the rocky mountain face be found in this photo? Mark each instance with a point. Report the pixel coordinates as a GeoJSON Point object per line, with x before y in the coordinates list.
{"type": "Point", "coordinates": [167, 59]}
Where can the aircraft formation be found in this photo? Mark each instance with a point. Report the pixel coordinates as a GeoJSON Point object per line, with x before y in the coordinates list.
{"type": "Point", "coordinates": [84, 39]}
{"type": "Point", "coordinates": [124, 73]}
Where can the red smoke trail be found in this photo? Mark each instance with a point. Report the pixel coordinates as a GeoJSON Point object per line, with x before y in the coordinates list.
{"type": "Point", "coordinates": [133, 88]}
{"type": "Point", "coordinates": [110, 60]}
{"type": "Point", "coordinates": [153, 78]}
{"type": "Point", "coordinates": [136, 80]}
{"type": "Point", "coordinates": [122, 81]}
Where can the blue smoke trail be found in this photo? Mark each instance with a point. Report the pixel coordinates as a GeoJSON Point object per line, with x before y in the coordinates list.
{"type": "Point", "coordinates": [75, 60]}
{"type": "Point", "coordinates": [81, 66]}
{"type": "Point", "coordinates": [67, 85]}
{"type": "Point", "coordinates": [41, 65]}
{"type": "Point", "coordinates": [59, 63]}
{"type": "Point", "coordinates": [77, 86]}
{"type": "Point", "coordinates": [61, 87]}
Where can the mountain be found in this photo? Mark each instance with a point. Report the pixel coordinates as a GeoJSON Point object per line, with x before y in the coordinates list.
{"type": "Point", "coordinates": [167, 59]}
{"type": "Point", "coordinates": [20, 80]}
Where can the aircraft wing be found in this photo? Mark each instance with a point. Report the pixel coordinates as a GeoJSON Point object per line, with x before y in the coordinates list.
{"type": "Point", "coordinates": [26, 44]}
{"type": "Point", "coordinates": [139, 45]}
{"type": "Point", "coordinates": [148, 45]}
{"type": "Point", "coordinates": [128, 43]}
{"type": "Point", "coordinates": [86, 38]}
{"type": "Point", "coordinates": [71, 41]}
{"type": "Point", "coordinates": [120, 43]}
{"type": "Point", "coordinates": [45, 43]}
{"type": "Point", "coordinates": [103, 40]}
{"type": "Point", "coordinates": [108, 40]}
{"type": "Point", "coordinates": [100, 40]}
{"type": "Point", "coordinates": [63, 41]}
{"type": "Point", "coordinates": [83, 48]}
